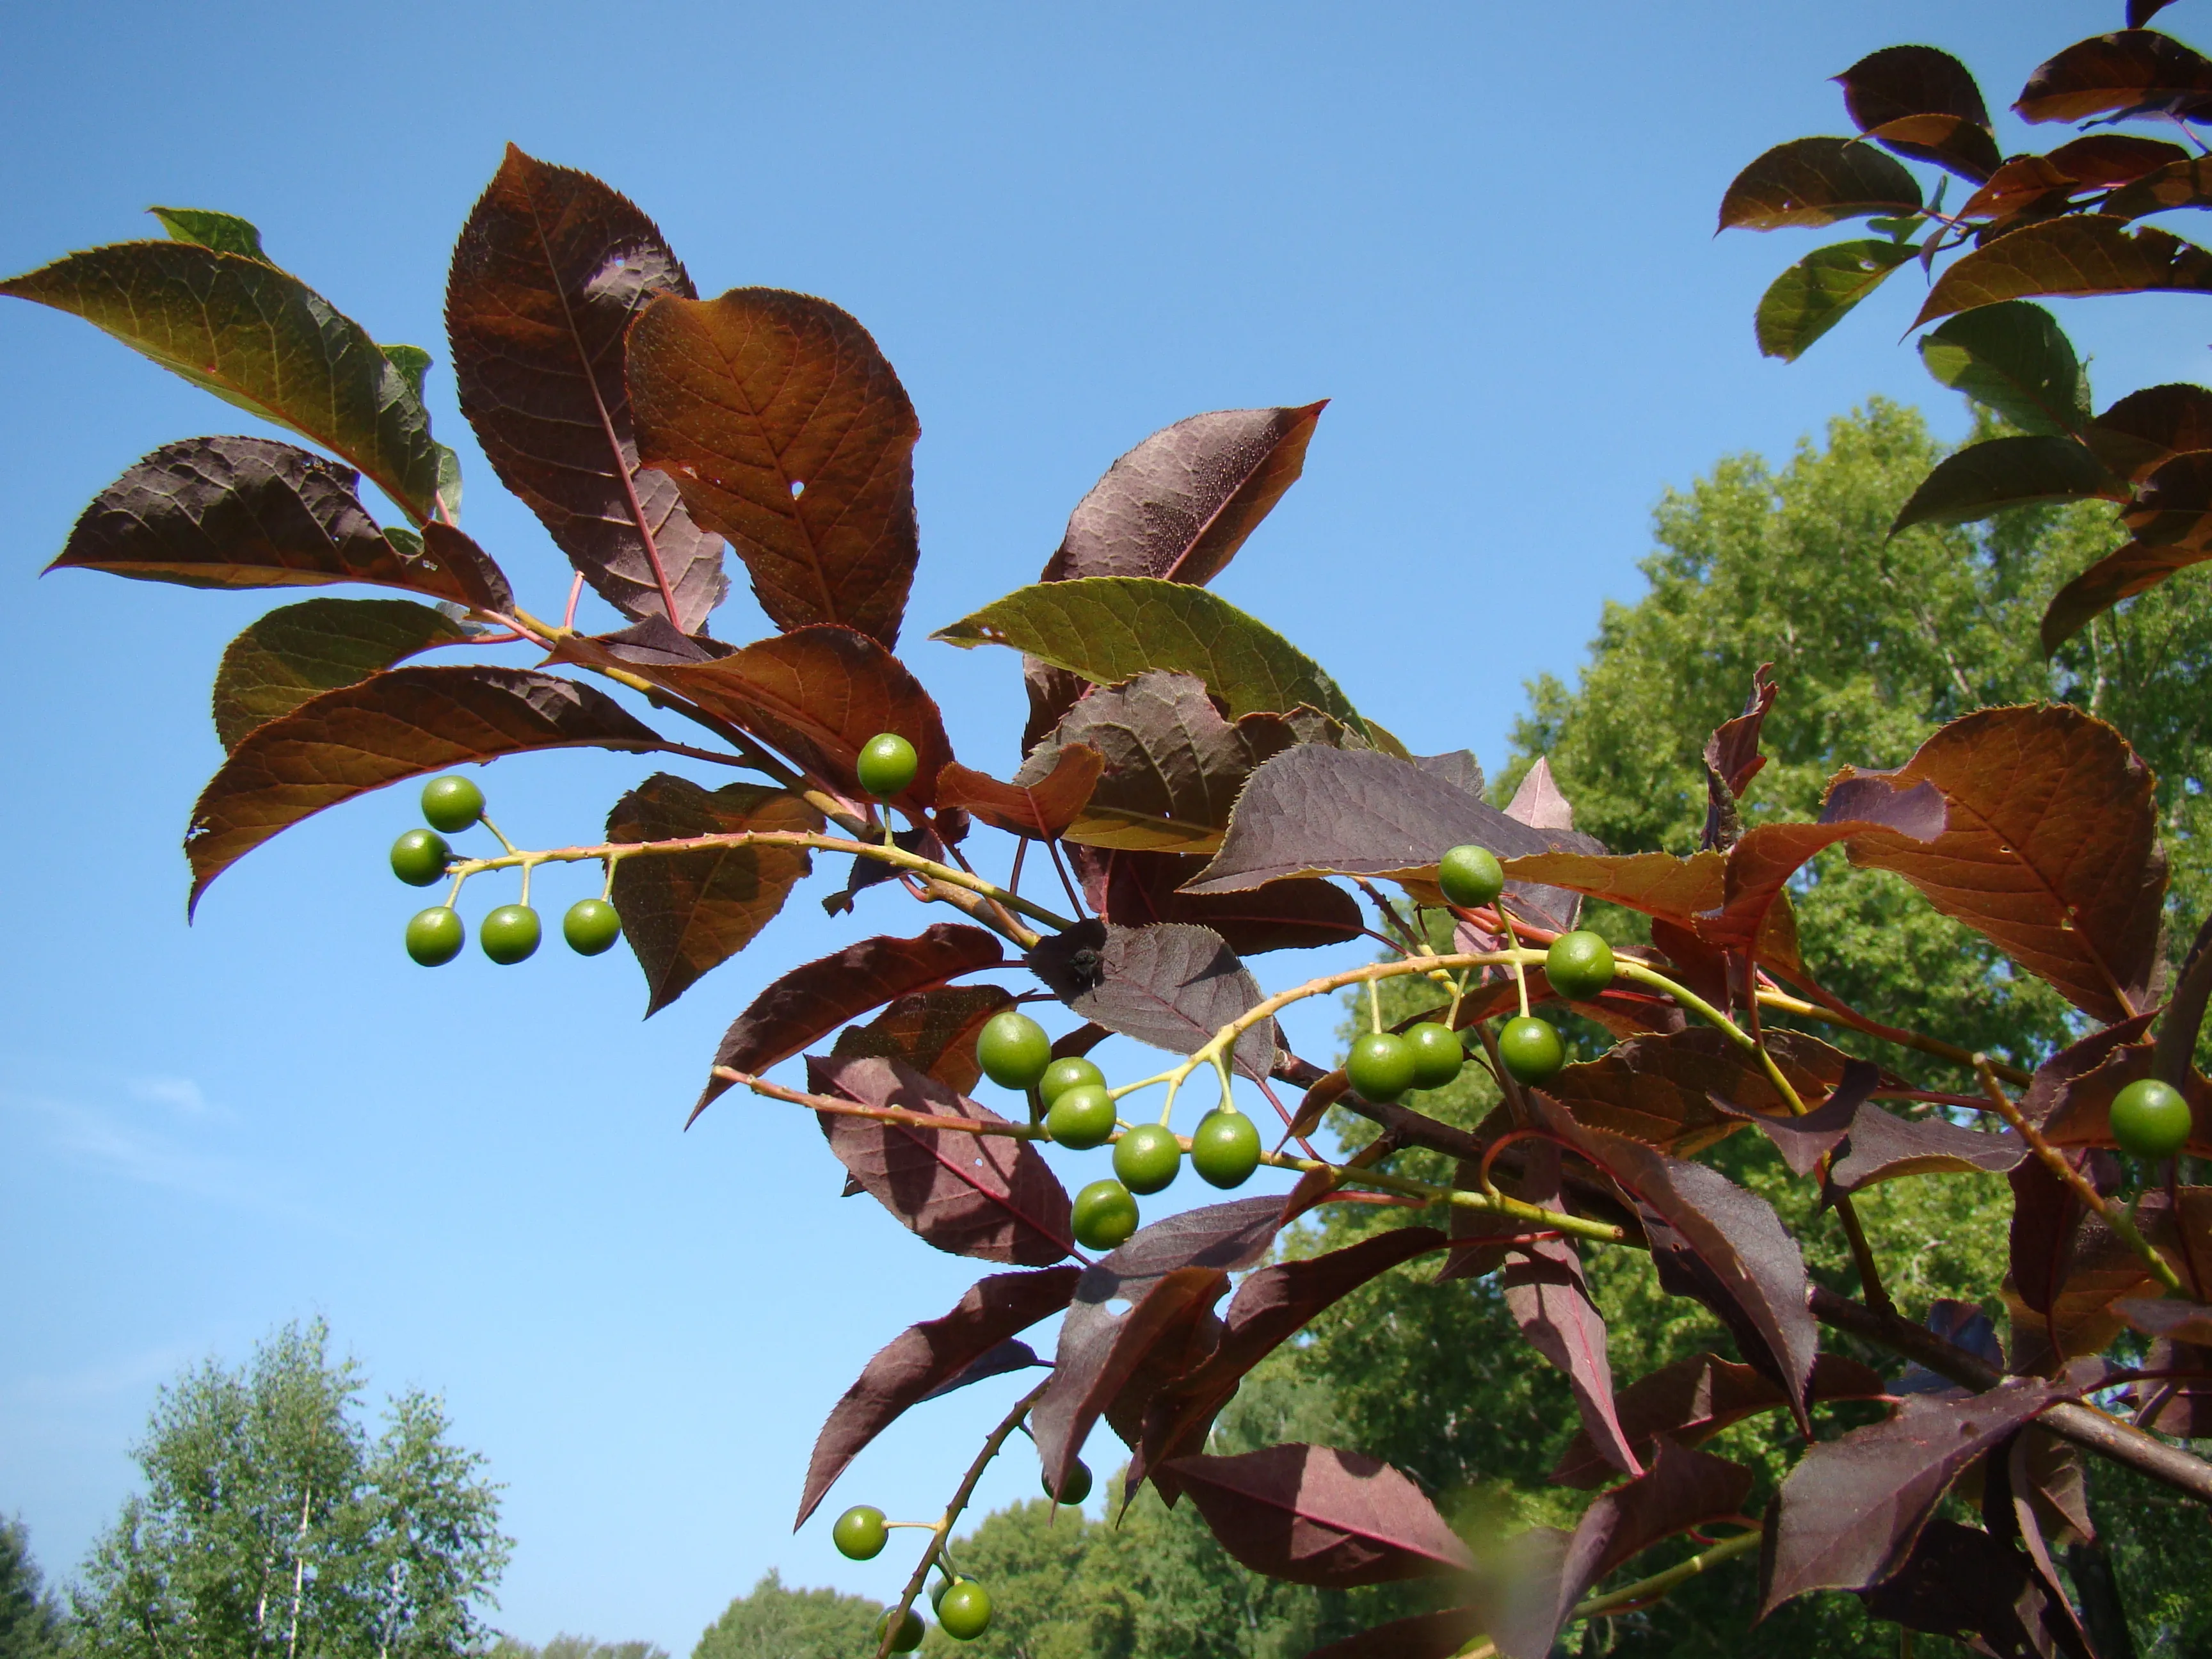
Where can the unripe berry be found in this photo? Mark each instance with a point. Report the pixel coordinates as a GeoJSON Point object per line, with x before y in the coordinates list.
{"type": "Point", "coordinates": [1470, 875]}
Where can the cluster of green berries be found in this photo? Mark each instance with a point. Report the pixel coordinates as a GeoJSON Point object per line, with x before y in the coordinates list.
{"type": "Point", "coordinates": [963, 1606]}
{"type": "Point", "coordinates": [2150, 1119]}
{"type": "Point", "coordinates": [510, 934]}
{"type": "Point", "coordinates": [1015, 1052]}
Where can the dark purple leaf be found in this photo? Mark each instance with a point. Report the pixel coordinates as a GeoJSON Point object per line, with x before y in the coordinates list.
{"type": "Point", "coordinates": [1136, 889]}
{"type": "Point", "coordinates": [926, 1357]}
{"type": "Point", "coordinates": [1009, 1356]}
{"type": "Point", "coordinates": [989, 1196]}
{"type": "Point", "coordinates": [1316, 1516]}
{"type": "Point", "coordinates": [1847, 1516]}
{"type": "Point", "coordinates": [2137, 72]}
{"type": "Point", "coordinates": [2145, 430]}
{"type": "Point", "coordinates": [934, 1032]}
{"type": "Point", "coordinates": [1882, 1146]}
{"type": "Point", "coordinates": [1922, 103]}
{"type": "Point", "coordinates": [1096, 1358]}
{"type": "Point", "coordinates": [1315, 811]}
{"type": "Point", "coordinates": [1439, 1635]}
{"type": "Point", "coordinates": [1803, 1141]}
{"type": "Point", "coordinates": [1692, 1400]}
{"type": "Point", "coordinates": [1684, 1489]}
{"type": "Point", "coordinates": [1733, 758]}
{"type": "Point", "coordinates": [812, 1001]}
{"type": "Point", "coordinates": [1666, 1090]}
{"type": "Point", "coordinates": [1817, 181]}
{"type": "Point", "coordinates": [2132, 569]}
{"type": "Point", "coordinates": [1713, 1240]}
{"type": "Point", "coordinates": [1173, 986]}
{"type": "Point", "coordinates": [550, 270]}
{"type": "Point", "coordinates": [1963, 1584]}
{"type": "Point", "coordinates": [866, 873]}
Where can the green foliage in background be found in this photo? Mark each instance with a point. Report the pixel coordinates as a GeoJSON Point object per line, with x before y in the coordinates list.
{"type": "Point", "coordinates": [773, 1622]}
{"type": "Point", "coordinates": [31, 1623]}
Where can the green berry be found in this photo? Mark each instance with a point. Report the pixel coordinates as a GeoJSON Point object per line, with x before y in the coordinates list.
{"type": "Point", "coordinates": [1531, 1048]}
{"type": "Point", "coordinates": [510, 934]}
{"type": "Point", "coordinates": [590, 927]}
{"type": "Point", "coordinates": [1077, 1487]}
{"type": "Point", "coordinates": [1579, 965]}
{"type": "Point", "coordinates": [451, 803]}
{"type": "Point", "coordinates": [886, 765]}
{"type": "Point", "coordinates": [1381, 1066]}
{"type": "Point", "coordinates": [964, 1610]}
{"type": "Point", "coordinates": [1147, 1157]}
{"type": "Point", "coordinates": [1470, 875]}
{"type": "Point", "coordinates": [1224, 1148]}
{"type": "Point", "coordinates": [1082, 1117]}
{"type": "Point", "coordinates": [434, 937]}
{"type": "Point", "coordinates": [2150, 1119]}
{"type": "Point", "coordinates": [1437, 1054]}
{"type": "Point", "coordinates": [1064, 1074]}
{"type": "Point", "coordinates": [1012, 1049]}
{"type": "Point", "coordinates": [910, 1632]}
{"type": "Point", "coordinates": [420, 857]}
{"type": "Point", "coordinates": [1105, 1214]}
{"type": "Point", "coordinates": [860, 1533]}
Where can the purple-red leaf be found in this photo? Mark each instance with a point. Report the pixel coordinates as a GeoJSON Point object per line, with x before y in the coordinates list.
{"type": "Point", "coordinates": [1961, 1582]}
{"type": "Point", "coordinates": [550, 269]}
{"type": "Point", "coordinates": [2131, 569]}
{"type": "Point", "coordinates": [1713, 1240]}
{"type": "Point", "coordinates": [1848, 1514]}
{"type": "Point", "coordinates": [1922, 103]}
{"type": "Point", "coordinates": [1882, 1146]}
{"type": "Point", "coordinates": [2051, 850]}
{"type": "Point", "coordinates": [991, 1196]}
{"type": "Point", "coordinates": [1817, 181]}
{"type": "Point", "coordinates": [1173, 986]}
{"type": "Point", "coordinates": [2147, 429]}
{"type": "Point", "coordinates": [1316, 1516]}
{"type": "Point", "coordinates": [2134, 72]}
{"type": "Point", "coordinates": [1692, 1400]}
{"type": "Point", "coordinates": [2075, 256]}
{"type": "Point", "coordinates": [934, 1031]}
{"type": "Point", "coordinates": [785, 429]}
{"type": "Point", "coordinates": [1439, 1635]}
{"type": "Point", "coordinates": [923, 1358]}
{"type": "Point", "coordinates": [1661, 1088]}
{"type": "Point", "coordinates": [684, 914]}
{"type": "Point", "coordinates": [1099, 1350]}
{"type": "Point", "coordinates": [1733, 760]}
{"type": "Point", "coordinates": [812, 1001]}
{"type": "Point", "coordinates": [397, 725]}
{"type": "Point", "coordinates": [1043, 807]}
{"type": "Point", "coordinates": [1136, 889]}
{"type": "Point", "coordinates": [1684, 1489]}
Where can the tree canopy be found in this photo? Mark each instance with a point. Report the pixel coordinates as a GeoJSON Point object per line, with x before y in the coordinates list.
{"type": "Point", "coordinates": [773, 1621]}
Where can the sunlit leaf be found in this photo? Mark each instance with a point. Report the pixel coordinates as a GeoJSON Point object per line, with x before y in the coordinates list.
{"type": "Point", "coordinates": [226, 233]}
{"type": "Point", "coordinates": [1172, 985]}
{"type": "Point", "coordinates": [392, 726]}
{"type": "Point", "coordinates": [2120, 574]}
{"type": "Point", "coordinates": [1810, 298]}
{"type": "Point", "coordinates": [550, 271]}
{"type": "Point", "coordinates": [2073, 257]}
{"type": "Point", "coordinates": [785, 429]}
{"type": "Point", "coordinates": [2134, 72]}
{"type": "Point", "coordinates": [2014, 359]}
{"type": "Point", "coordinates": [1316, 1516]}
{"type": "Point", "coordinates": [1042, 808]}
{"type": "Point", "coordinates": [1658, 1089]}
{"type": "Point", "coordinates": [298, 652]}
{"type": "Point", "coordinates": [2186, 183]}
{"type": "Point", "coordinates": [1817, 181]}
{"type": "Point", "coordinates": [1922, 103]}
{"type": "Point", "coordinates": [257, 338]}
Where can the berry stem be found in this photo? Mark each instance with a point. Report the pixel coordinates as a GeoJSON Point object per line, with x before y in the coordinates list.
{"type": "Point", "coordinates": [494, 829]}
{"type": "Point", "coordinates": [2114, 1216]}
{"type": "Point", "coordinates": [1520, 972]}
{"type": "Point", "coordinates": [1375, 1006]}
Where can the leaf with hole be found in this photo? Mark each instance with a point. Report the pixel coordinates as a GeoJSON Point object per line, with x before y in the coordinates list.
{"type": "Point", "coordinates": [260, 339]}
{"type": "Point", "coordinates": [297, 652]}
{"type": "Point", "coordinates": [244, 513]}
{"type": "Point", "coordinates": [1811, 297]}
{"type": "Point", "coordinates": [550, 270]}
{"type": "Point", "coordinates": [684, 914]}
{"type": "Point", "coordinates": [923, 1358]}
{"type": "Point", "coordinates": [1817, 181]}
{"type": "Point", "coordinates": [1112, 629]}
{"type": "Point", "coordinates": [991, 1196]}
{"type": "Point", "coordinates": [1312, 1516]}
{"type": "Point", "coordinates": [400, 724]}
{"type": "Point", "coordinates": [785, 429]}
{"type": "Point", "coordinates": [815, 998]}
{"type": "Point", "coordinates": [2072, 257]}
{"type": "Point", "coordinates": [2051, 850]}
{"type": "Point", "coordinates": [2013, 358]}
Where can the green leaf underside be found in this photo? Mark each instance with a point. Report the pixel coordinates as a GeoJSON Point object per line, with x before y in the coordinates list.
{"type": "Point", "coordinates": [2013, 358]}
{"type": "Point", "coordinates": [1985, 479]}
{"type": "Point", "coordinates": [1817, 181]}
{"type": "Point", "coordinates": [1810, 298]}
{"type": "Point", "coordinates": [248, 512]}
{"type": "Point", "coordinates": [1112, 629]}
{"type": "Point", "coordinates": [388, 727]}
{"type": "Point", "coordinates": [226, 233]}
{"type": "Point", "coordinates": [2075, 256]}
{"type": "Point", "coordinates": [298, 652]}
{"type": "Point", "coordinates": [260, 339]}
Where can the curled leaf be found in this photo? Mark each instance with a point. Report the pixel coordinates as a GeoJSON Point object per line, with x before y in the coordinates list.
{"type": "Point", "coordinates": [298, 652]}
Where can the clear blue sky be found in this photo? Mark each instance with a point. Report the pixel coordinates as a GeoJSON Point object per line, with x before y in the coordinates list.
{"type": "Point", "coordinates": [1484, 230]}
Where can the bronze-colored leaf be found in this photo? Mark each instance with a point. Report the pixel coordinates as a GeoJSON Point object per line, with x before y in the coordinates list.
{"type": "Point", "coordinates": [243, 513]}
{"type": "Point", "coordinates": [2134, 72]}
{"type": "Point", "coordinates": [550, 271]}
{"type": "Point", "coordinates": [2124, 573]}
{"type": "Point", "coordinates": [2033, 185]}
{"type": "Point", "coordinates": [934, 1031]}
{"type": "Point", "coordinates": [785, 429]}
{"type": "Point", "coordinates": [815, 998]}
{"type": "Point", "coordinates": [1984, 479]}
{"type": "Point", "coordinates": [2051, 850]}
{"type": "Point", "coordinates": [2186, 183]}
{"type": "Point", "coordinates": [1765, 858]}
{"type": "Point", "coordinates": [2172, 508]}
{"type": "Point", "coordinates": [399, 723]}
{"type": "Point", "coordinates": [482, 582]}
{"type": "Point", "coordinates": [1043, 808]}
{"type": "Point", "coordinates": [1922, 103]}
{"type": "Point", "coordinates": [2077, 256]}
{"type": "Point", "coordinates": [1136, 889]}
{"type": "Point", "coordinates": [989, 1196]}
{"type": "Point", "coordinates": [1817, 181]}
{"type": "Point", "coordinates": [2147, 429]}
{"type": "Point", "coordinates": [1172, 985]}
{"type": "Point", "coordinates": [1658, 1089]}
{"type": "Point", "coordinates": [298, 652]}
{"type": "Point", "coordinates": [685, 912]}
